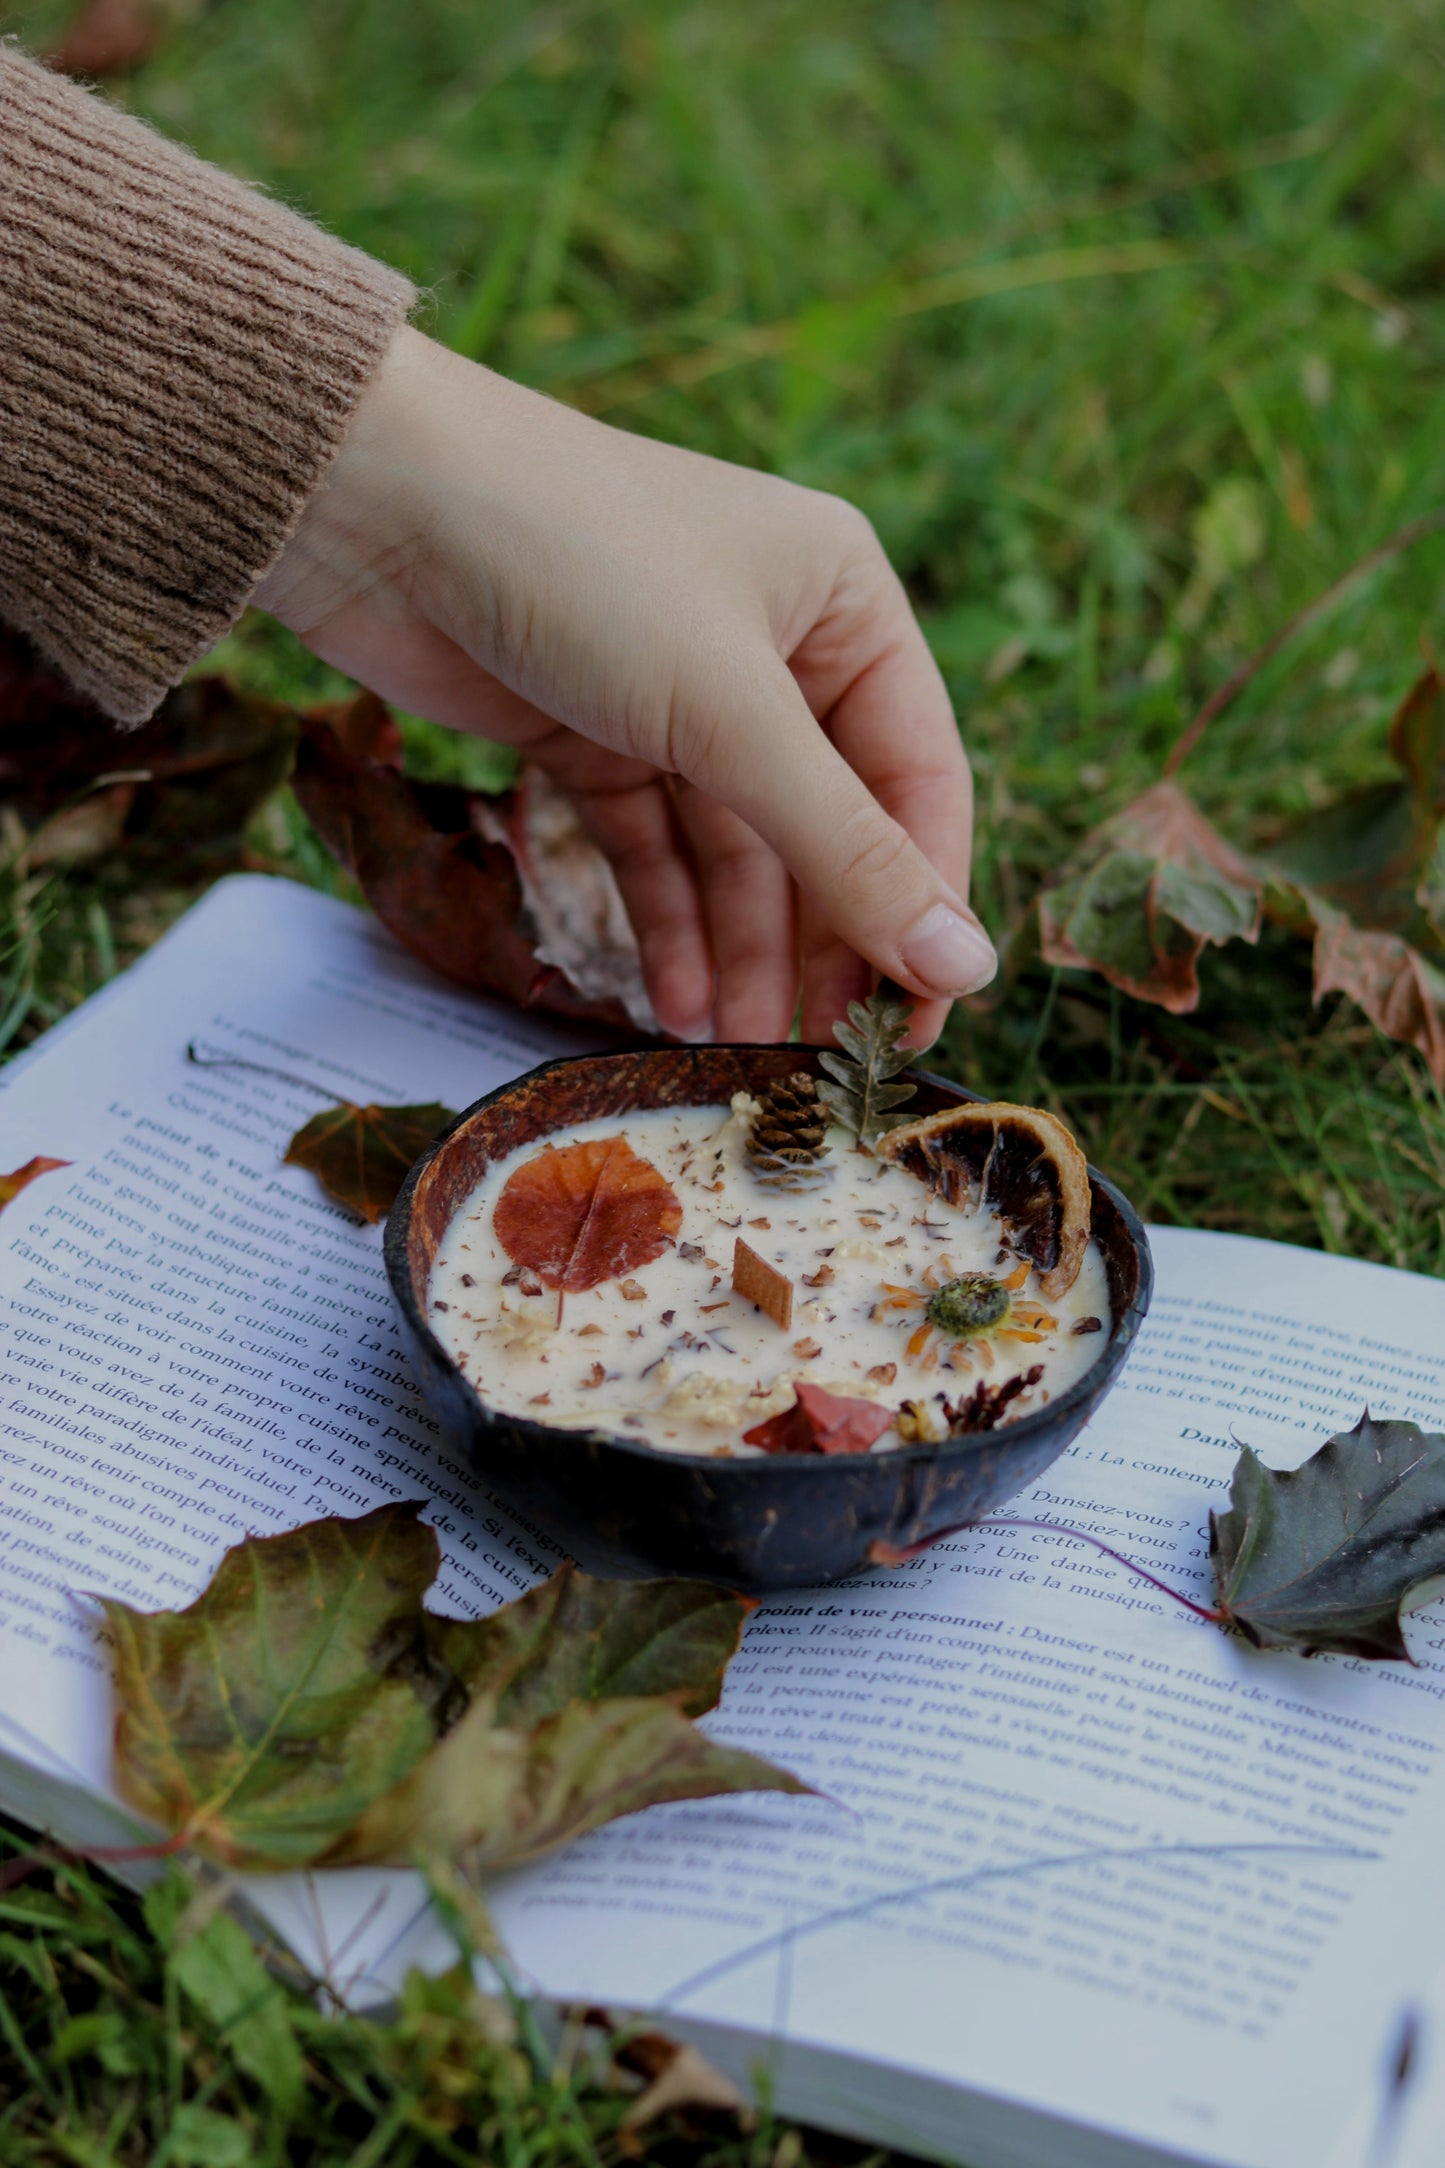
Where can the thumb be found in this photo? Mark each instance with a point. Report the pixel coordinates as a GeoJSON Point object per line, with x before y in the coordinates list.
{"type": "Point", "coordinates": [875, 887]}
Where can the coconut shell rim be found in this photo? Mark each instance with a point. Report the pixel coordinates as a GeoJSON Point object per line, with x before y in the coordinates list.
{"type": "Point", "coordinates": [1091, 1384]}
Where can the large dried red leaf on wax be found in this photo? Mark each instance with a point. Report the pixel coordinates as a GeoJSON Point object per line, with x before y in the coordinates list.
{"type": "Point", "coordinates": [362, 1155]}
{"type": "Point", "coordinates": [578, 1214]}
{"type": "Point", "coordinates": [503, 894]}
{"type": "Point", "coordinates": [12, 1184]}
{"type": "Point", "coordinates": [820, 1422]}
{"type": "Point", "coordinates": [1144, 894]}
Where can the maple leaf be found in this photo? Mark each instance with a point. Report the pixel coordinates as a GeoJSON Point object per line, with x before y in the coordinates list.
{"type": "Point", "coordinates": [504, 894]}
{"type": "Point", "coordinates": [820, 1422]}
{"type": "Point", "coordinates": [1143, 895]}
{"type": "Point", "coordinates": [12, 1184]}
{"type": "Point", "coordinates": [1321, 1556]}
{"type": "Point", "coordinates": [362, 1155]}
{"type": "Point", "coordinates": [308, 1710]}
{"type": "Point", "coordinates": [577, 1214]}
{"type": "Point", "coordinates": [861, 1095]}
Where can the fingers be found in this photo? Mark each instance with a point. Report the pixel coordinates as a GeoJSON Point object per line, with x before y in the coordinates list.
{"type": "Point", "coordinates": [747, 900]}
{"type": "Point", "coordinates": [884, 898]}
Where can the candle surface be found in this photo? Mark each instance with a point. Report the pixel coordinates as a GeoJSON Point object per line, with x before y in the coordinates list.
{"type": "Point", "coordinates": [670, 1356]}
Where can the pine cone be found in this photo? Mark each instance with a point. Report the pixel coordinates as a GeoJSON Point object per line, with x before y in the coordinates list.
{"type": "Point", "coordinates": [787, 1143]}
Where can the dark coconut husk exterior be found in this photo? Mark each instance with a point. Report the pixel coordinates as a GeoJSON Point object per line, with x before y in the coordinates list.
{"type": "Point", "coordinates": [785, 1521]}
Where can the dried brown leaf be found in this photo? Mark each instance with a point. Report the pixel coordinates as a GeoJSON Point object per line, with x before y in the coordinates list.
{"type": "Point", "coordinates": [362, 1155]}
{"type": "Point", "coordinates": [503, 894]}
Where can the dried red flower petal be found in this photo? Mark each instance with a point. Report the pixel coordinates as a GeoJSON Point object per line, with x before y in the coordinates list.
{"type": "Point", "coordinates": [820, 1422]}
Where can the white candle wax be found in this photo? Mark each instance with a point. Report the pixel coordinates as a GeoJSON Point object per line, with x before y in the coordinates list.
{"type": "Point", "coordinates": [671, 1357]}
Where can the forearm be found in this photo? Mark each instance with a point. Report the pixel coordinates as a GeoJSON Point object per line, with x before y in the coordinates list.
{"type": "Point", "coordinates": [179, 360]}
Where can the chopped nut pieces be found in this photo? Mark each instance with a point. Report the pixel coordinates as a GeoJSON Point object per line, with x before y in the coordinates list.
{"type": "Point", "coordinates": [1089, 1324]}
{"type": "Point", "coordinates": [806, 1350]}
{"type": "Point", "coordinates": [632, 1291]}
{"type": "Point", "coordinates": [883, 1373]}
{"type": "Point", "coordinates": [758, 1281]}
{"type": "Point", "coordinates": [820, 1278]}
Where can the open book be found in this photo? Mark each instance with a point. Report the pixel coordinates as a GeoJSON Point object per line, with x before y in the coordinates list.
{"type": "Point", "coordinates": [1089, 1881]}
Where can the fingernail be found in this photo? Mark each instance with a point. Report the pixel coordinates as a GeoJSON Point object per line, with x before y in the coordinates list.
{"type": "Point", "coordinates": [949, 953]}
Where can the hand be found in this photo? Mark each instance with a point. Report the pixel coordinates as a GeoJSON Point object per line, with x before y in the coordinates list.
{"type": "Point", "coordinates": [718, 667]}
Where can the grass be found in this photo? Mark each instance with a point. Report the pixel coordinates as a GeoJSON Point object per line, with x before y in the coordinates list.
{"type": "Point", "coordinates": [1122, 322]}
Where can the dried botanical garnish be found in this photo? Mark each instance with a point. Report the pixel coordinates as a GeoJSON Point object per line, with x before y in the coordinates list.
{"type": "Point", "coordinates": [985, 1406]}
{"type": "Point", "coordinates": [758, 1281]}
{"type": "Point", "coordinates": [820, 1422]}
{"type": "Point", "coordinates": [1017, 1161]}
{"type": "Point", "coordinates": [578, 1214]}
{"type": "Point", "coordinates": [787, 1143]}
{"type": "Point", "coordinates": [970, 1309]}
{"type": "Point", "coordinates": [861, 1096]}
{"type": "Point", "coordinates": [968, 1304]}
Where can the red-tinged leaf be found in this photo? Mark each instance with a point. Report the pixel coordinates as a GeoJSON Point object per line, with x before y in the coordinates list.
{"type": "Point", "coordinates": [1143, 896]}
{"type": "Point", "coordinates": [12, 1184]}
{"type": "Point", "coordinates": [1401, 992]}
{"type": "Point", "coordinates": [820, 1422]}
{"type": "Point", "coordinates": [362, 1155]}
{"type": "Point", "coordinates": [578, 1214]}
{"type": "Point", "coordinates": [503, 894]}
{"type": "Point", "coordinates": [111, 37]}
{"type": "Point", "coordinates": [364, 727]}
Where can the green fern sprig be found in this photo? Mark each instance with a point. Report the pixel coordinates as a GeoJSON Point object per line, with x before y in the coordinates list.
{"type": "Point", "coordinates": [861, 1096]}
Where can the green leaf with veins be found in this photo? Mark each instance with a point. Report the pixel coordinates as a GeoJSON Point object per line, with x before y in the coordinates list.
{"type": "Point", "coordinates": [1321, 1557]}
{"type": "Point", "coordinates": [307, 1710]}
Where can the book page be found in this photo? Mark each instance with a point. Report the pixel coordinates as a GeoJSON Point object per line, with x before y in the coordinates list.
{"type": "Point", "coordinates": [1076, 1846]}
{"type": "Point", "coordinates": [199, 1343]}
{"type": "Point", "coordinates": [1073, 1847]}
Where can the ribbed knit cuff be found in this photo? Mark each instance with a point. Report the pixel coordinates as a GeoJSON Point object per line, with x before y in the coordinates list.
{"type": "Point", "coordinates": [179, 360]}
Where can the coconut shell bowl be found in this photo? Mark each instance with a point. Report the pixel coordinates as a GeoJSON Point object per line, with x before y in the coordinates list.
{"type": "Point", "coordinates": [752, 1523]}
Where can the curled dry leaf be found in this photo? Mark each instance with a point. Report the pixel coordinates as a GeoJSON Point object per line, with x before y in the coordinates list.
{"type": "Point", "coordinates": [1020, 1162]}
{"type": "Point", "coordinates": [578, 1214]}
{"type": "Point", "coordinates": [503, 894]}
{"type": "Point", "coordinates": [1143, 895]}
{"type": "Point", "coordinates": [362, 1155]}
{"type": "Point", "coordinates": [678, 2080]}
{"type": "Point", "coordinates": [12, 1184]}
{"type": "Point", "coordinates": [820, 1422]}
{"type": "Point", "coordinates": [308, 1710]}
{"type": "Point", "coordinates": [1363, 873]}
{"type": "Point", "coordinates": [1321, 1556]}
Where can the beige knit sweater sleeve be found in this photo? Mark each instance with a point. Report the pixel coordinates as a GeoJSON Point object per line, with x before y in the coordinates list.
{"type": "Point", "coordinates": [179, 360]}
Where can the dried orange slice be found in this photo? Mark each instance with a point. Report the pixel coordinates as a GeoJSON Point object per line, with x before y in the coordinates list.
{"type": "Point", "coordinates": [1018, 1161]}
